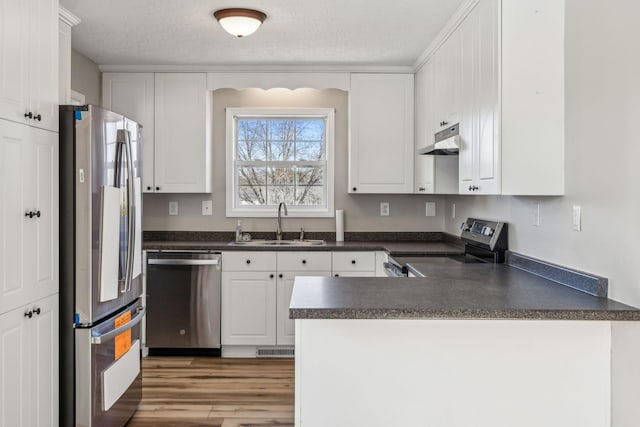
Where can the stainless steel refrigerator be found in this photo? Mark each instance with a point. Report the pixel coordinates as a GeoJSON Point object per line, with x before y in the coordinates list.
{"type": "Point", "coordinates": [100, 267]}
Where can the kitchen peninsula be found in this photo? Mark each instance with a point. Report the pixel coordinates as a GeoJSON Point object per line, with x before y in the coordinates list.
{"type": "Point", "coordinates": [472, 345]}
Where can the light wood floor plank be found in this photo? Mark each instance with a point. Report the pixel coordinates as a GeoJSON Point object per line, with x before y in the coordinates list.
{"type": "Point", "coordinates": [214, 392]}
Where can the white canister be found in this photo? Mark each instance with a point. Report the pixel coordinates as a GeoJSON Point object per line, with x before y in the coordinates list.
{"type": "Point", "coordinates": [339, 225]}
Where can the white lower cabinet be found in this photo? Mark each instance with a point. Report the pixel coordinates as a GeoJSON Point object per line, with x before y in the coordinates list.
{"type": "Point", "coordinates": [29, 365]}
{"type": "Point", "coordinates": [354, 264]}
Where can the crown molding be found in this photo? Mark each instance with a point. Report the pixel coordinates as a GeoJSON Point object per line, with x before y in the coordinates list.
{"type": "Point", "coordinates": [127, 68]}
{"type": "Point", "coordinates": [452, 24]}
{"type": "Point", "coordinates": [67, 17]}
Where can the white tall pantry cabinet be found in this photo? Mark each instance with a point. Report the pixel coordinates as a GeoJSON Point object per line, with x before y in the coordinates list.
{"type": "Point", "coordinates": [29, 213]}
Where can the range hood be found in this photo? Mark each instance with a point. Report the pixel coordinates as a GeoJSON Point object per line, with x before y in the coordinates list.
{"type": "Point", "coordinates": [447, 142]}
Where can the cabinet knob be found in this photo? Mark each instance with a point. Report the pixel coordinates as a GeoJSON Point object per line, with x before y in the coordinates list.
{"type": "Point", "coordinates": [422, 189]}
{"type": "Point", "coordinates": [28, 314]}
{"type": "Point", "coordinates": [38, 117]}
{"type": "Point", "coordinates": [38, 214]}
{"type": "Point", "coordinates": [304, 261]}
{"type": "Point", "coordinates": [157, 188]}
{"type": "Point", "coordinates": [28, 115]}
{"type": "Point", "coordinates": [280, 276]}
{"type": "Point", "coordinates": [353, 261]}
{"type": "Point", "coordinates": [248, 261]}
{"type": "Point", "coordinates": [30, 214]}
{"type": "Point", "coordinates": [336, 275]}
{"type": "Point", "coordinates": [271, 276]}
{"type": "Point", "coordinates": [37, 311]}
{"type": "Point", "coordinates": [355, 189]}
{"type": "Point", "coordinates": [149, 188]}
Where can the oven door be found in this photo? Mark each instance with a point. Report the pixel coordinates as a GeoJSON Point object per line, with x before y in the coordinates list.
{"type": "Point", "coordinates": [108, 375]}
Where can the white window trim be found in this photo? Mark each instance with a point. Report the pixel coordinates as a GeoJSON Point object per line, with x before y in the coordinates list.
{"type": "Point", "coordinates": [270, 211]}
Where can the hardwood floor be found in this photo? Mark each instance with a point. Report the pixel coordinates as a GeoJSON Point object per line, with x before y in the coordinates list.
{"type": "Point", "coordinates": [201, 391]}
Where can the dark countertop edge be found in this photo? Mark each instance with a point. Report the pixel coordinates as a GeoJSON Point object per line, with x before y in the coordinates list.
{"type": "Point", "coordinates": [464, 314]}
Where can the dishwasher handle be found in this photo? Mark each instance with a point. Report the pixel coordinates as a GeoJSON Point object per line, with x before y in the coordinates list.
{"type": "Point", "coordinates": [167, 261]}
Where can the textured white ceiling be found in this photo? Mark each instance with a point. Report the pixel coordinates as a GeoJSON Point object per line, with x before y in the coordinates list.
{"type": "Point", "coordinates": [296, 32]}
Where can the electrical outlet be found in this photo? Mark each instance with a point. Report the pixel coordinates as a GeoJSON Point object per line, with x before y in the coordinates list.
{"type": "Point", "coordinates": [577, 218]}
{"type": "Point", "coordinates": [536, 215]}
{"type": "Point", "coordinates": [384, 209]}
{"type": "Point", "coordinates": [430, 208]}
{"type": "Point", "coordinates": [207, 207]}
{"type": "Point", "coordinates": [453, 211]}
{"type": "Point", "coordinates": [173, 208]}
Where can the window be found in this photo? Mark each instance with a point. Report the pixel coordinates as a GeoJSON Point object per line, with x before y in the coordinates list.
{"type": "Point", "coordinates": [280, 155]}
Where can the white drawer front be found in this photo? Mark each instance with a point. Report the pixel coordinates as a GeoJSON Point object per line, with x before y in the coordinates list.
{"type": "Point", "coordinates": [304, 261]}
{"type": "Point", "coordinates": [354, 261]}
{"type": "Point", "coordinates": [249, 261]}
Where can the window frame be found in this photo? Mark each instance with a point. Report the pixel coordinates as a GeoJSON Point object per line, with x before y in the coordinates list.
{"type": "Point", "coordinates": [328, 114]}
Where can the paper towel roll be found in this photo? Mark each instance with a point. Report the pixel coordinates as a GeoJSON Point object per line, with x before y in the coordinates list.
{"type": "Point", "coordinates": [339, 225]}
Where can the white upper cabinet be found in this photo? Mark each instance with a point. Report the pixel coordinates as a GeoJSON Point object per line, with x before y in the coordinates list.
{"type": "Point", "coordinates": [182, 140]}
{"type": "Point", "coordinates": [29, 62]}
{"type": "Point", "coordinates": [131, 94]}
{"type": "Point", "coordinates": [172, 108]}
{"type": "Point", "coordinates": [381, 143]}
{"type": "Point", "coordinates": [433, 174]}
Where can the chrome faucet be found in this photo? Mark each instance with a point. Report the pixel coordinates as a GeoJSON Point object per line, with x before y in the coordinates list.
{"type": "Point", "coordinates": [286, 212]}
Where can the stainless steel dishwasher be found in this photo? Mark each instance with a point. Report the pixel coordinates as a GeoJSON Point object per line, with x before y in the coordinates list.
{"type": "Point", "coordinates": [183, 300]}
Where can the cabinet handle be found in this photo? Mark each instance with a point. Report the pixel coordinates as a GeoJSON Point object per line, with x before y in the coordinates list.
{"type": "Point", "coordinates": [422, 189]}
{"type": "Point", "coordinates": [280, 276]}
{"type": "Point", "coordinates": [28, 314]}
{"type": "Point", "coordinates": [353, 261]}
{"type": "Point", "coordinates": [30, 214]}
{"type": "Point", "coordinates": [38, 117]}
{"type": "Point", "coordinates": [304, 261]}
{"type": "Point", "coordinates": [248, 261]}
{"type": "Point", "coordinates": [28, 115]}
{"type": "Point", "coordinates": [37, 311]}
{"type": "Point", "coordinates": [271, 276]}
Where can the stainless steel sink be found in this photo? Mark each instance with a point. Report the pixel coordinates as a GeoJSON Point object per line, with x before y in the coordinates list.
{"type": "Point", "coordinates": [259, 242]}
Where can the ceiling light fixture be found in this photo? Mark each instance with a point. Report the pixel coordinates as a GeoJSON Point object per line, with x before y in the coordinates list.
{"type": "Point", "coordinates": [240, 22]}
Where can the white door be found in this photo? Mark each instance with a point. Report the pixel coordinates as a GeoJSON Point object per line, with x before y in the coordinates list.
{"type": "Point", "coordinates": [43, 64]}
{"type": "Point", "coordinates": [424, 165]}
{"type": "Point", "coordinates": [248, 308]}
{"type": "Point", "coordinates": [286, 330]}
{"type": "Point", "coordinates": [16, 398]}
{"type": "Point", "coordinates": [44, 347]}
{"type": "Point", "coordinates": [14, 59]}
{"type": "Point", "coordinates": [15, 190]}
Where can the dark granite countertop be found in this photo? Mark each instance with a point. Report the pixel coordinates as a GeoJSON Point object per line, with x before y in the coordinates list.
{"type": "Point", "coordinates": [398, 248]}
{"type": "Point", "coordinates": [451, 291]}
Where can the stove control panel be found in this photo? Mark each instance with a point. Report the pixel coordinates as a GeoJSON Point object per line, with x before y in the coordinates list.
{"type": "Point", "coordinates": [491, 235]}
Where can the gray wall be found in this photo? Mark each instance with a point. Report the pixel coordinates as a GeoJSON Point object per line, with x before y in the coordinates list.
{"type": "Point", "coordinates": [362, 212]}
{"type": "Point", "coordinates": [602, 156]}
{"type": "Point", "coordinates": [86, 78]}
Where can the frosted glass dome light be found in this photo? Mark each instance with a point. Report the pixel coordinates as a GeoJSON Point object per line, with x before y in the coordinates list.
{"type": "Point", "coordinates": [240, 22]}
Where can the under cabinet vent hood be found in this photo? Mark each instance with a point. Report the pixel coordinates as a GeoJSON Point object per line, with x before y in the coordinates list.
{"type": "Point", "coordinates": [447, 142]}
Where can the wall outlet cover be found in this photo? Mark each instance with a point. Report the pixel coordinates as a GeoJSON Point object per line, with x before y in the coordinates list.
{"type": "Point", "coordinates": [384, 209]}
{"type": "Point", "coordinates": [453, 210]}
{"type": "Point", "coordinates": [173, 208]}
{"type": "Point", "coordinates": [430, 208]}
{"type": "Point", "coordinates": [577, 218]}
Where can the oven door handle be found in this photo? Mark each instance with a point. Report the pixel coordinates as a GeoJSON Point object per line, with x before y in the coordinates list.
{"type": "Point", "coordinates": [391, 270]}
{"type": "Point", "coordinates": [183, 261]}
{"type": "Point", "coordinates": [99, 339]}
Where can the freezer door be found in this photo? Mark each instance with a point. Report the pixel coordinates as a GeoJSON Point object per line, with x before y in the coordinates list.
{"type": "Point", "coordinates": [108, 213]}
{"type": "Point", "coordinates": [108, 376]}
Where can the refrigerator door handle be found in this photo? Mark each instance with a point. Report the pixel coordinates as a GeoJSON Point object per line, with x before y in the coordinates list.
{"type": "Point", "coordinates": [99, 339]}
{"type": "Point", "coordinates": [166, 261]}
{"type": "Point", "coordinates": [125, 139]}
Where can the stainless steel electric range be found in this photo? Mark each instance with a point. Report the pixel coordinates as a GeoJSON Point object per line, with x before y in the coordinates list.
{"type": "Point", "coordinates": [484, 241]}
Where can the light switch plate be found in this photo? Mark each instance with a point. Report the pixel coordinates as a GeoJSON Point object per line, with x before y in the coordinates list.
{"type": "Point", "coordinates": [430, 208]}
{"type": "Point", "coordinates": [453, 211]}
{"type": "Point", "coordinates": [535, 220]}
{"type": "Point", "coordinates": [207, 207]}
{"type": "Point", "coordinates": [173, 208]}
{"type": "Point", "coordinates": [577, 218]}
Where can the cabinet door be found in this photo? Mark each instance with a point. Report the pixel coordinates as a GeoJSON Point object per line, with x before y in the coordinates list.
{"type": "Point", "coordinates": [468, 115]}
{"type": "Point", "coordinates": [16, 399]}
{"type": "Point", "coordinates": [381, 146]}
{"type": "Point", "coordinates": [43, 63]}
{"type": "Point", "coordinates": [182, 143]}
{"type": "Point", "coordinates": [44, 371]}
{"type": "Point", "coordinates": [286, 330]}
{"type": "Point", "coordinates": [424, 100]}
{"type": "Point", "coordinates": [447, 83]}
{"type": "Point", "coordinates": [15, 190]}
{"type": "Point", "coordinates": [249, 308]}
{"type": "Point", "coordinates": [132, 95]}
{"type": "Point", "coordinates": [14, 59]}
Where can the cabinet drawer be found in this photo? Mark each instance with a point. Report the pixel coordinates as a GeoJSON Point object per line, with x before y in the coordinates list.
{"type": "Point", "coordinates": [354, 261]}
{"type": "Point", "coordinates": [249, 261]}
{"type": "Point", "coordinates": [304, 261]}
